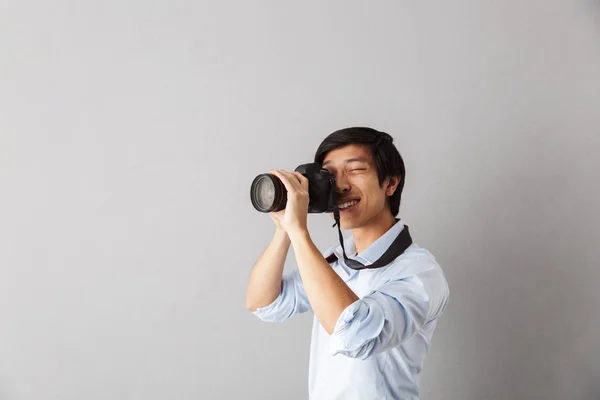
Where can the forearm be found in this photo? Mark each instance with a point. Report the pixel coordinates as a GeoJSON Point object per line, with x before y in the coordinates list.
{"type": "Point", "coordinates": [264, 284]}
{"type": "Point", "coordinates": [327, 293]}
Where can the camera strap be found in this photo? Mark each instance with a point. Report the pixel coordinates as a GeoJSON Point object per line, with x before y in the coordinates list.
{"type": "Point", "coordinates": [398, 246]}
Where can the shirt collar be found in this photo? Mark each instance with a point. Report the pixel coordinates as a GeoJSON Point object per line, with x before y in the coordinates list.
{"type": "Point", "coordinates": [374, 251]}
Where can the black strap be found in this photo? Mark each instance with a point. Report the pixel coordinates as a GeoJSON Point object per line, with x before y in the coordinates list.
{"type": "Point", "coordinates": [398, 246]}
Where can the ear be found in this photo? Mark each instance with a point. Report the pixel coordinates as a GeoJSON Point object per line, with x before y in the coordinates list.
{"type": "Point", "coordinates": [393, 182]}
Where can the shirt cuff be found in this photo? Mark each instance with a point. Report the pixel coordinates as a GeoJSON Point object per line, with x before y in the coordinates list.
{"type": "Point", "coordinates": [279, 310]}
{"type": "Point", "coordinates": [355, 329]}
{"type": "Point", "coordinates": [264, 312]}
{"type": "Point", "coordinates": [270, 312]}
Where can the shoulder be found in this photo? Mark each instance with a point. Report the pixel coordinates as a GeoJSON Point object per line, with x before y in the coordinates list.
{"type": "Point", "coordinates": [417, 263]}
{"type": "Point", "coordinates": [414, 260]}
{"type": "Point", "coordinates": [418, 266]}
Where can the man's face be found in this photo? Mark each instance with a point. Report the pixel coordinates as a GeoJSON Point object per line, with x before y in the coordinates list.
{"type": "Point", "coordinates": [360, 197]}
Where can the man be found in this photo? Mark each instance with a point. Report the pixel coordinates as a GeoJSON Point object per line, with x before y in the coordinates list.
{"type": "Point", "coordinates": [372, 326]}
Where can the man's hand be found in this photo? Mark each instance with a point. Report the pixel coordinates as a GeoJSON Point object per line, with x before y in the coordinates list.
{"type": "Point", "coordinates": [294, 220]}
{"type": "Point", "coordinates": [277, 217]}
{"type": "Point", "coordinates": [327, 293]}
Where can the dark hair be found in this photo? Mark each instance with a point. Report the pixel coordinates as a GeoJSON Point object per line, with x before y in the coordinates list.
{"type": "Point", "coordinates": [385, 155]}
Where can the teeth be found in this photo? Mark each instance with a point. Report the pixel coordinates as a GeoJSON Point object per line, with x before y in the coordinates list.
{"type": "Point", "coordinates": [348, 204]}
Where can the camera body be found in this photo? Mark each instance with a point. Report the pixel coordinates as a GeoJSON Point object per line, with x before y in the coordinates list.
{"type": "Point", "coordinates": [321, 188]}
{"type": "Point", "coordinates": [268, 193]}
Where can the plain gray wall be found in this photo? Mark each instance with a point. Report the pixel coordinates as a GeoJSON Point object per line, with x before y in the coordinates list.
{"type": "Point", "coordinates": [130, 132]}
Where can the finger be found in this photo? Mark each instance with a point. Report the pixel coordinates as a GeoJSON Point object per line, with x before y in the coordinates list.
{"type": "Point", "coordinates": [289, 186]}
{"type": "Point", "coordinates": [297, 180]}
{"type": "Point", "coordinates": [292, 177]}
{"type": "Point", "coordinates": [295, 187]}
{"type": "Point", "coordinates": [301, 177]}
{"type": "Point", "coordinates": [303, 180]}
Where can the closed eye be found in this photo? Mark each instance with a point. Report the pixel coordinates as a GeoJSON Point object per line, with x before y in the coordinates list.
{"type": "Point", "coordinates": [358, 169]}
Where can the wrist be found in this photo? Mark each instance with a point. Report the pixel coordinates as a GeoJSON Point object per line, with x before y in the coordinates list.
{"type": "Point", "coordinates": [298, 234]}
{"type": "Point", "coordinates": [280, 233]}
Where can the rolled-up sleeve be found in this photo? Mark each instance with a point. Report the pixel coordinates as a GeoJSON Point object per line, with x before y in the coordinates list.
{"type": "Point", "coordinates": [381, 320]}
{"type": "Point", "coordinates": [291, 300]}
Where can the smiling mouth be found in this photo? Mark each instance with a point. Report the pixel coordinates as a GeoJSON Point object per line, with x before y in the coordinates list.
{"type": "Point", "coordinates": [348, 204]}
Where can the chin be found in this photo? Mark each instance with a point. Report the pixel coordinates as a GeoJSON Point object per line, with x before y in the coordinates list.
{"type": "Point", "coordinates": [348, 224]}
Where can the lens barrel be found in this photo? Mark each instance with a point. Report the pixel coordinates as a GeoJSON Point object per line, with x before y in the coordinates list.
{"type": "Point", "coordinates": [268, 193]}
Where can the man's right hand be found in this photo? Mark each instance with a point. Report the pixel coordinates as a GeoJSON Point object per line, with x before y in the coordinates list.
{"type": "Point", "coordinates": [277, 217]}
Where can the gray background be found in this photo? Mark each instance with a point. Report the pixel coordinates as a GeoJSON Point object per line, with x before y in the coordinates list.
{"type": "Point", "coordinates": [130, 132]}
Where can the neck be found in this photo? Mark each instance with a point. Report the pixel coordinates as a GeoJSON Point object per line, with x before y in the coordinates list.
{"type": "Point", "coordinates": [373, 230]}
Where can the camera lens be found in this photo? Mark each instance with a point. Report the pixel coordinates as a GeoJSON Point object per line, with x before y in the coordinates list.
{"type": "Point", "coordinates": [267, 193]}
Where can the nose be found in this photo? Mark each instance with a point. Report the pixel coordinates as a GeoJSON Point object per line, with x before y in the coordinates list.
{"type": "Point", "coordinates": [342, 183]}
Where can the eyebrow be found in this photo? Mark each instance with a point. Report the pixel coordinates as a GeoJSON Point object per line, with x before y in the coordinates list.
{"type": "Point", "coordinates": [350, 160]}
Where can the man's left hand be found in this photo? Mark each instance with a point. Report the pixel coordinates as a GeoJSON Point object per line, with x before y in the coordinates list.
{"type": "Point", "coordinates": [296, 209]}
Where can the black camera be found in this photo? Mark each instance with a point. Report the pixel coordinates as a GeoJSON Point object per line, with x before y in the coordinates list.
{"type": "Point", "coordinates": [268, 193]}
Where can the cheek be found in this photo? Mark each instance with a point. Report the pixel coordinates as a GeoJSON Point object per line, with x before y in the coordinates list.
{"type": "Point", "coordinates": [376, 195]}
{"type": "Point", "coordinates": [373, 189]}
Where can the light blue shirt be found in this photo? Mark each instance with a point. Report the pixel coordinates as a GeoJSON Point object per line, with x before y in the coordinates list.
{"type": "Point", "coordinates": [379, 342]}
